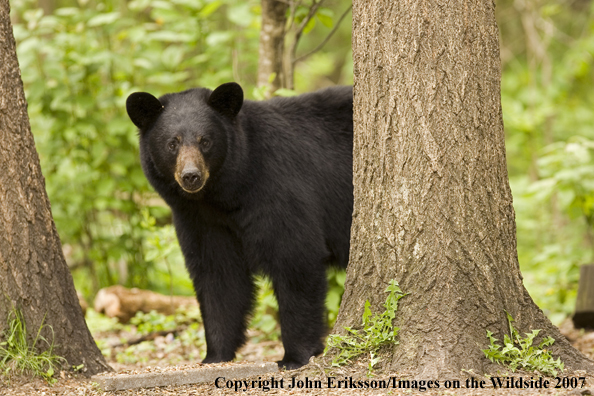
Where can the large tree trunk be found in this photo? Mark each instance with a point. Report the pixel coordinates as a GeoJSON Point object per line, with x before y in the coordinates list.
{"type": "Point", "coordinates": [272, 44]}
{"type": "Point", "coordinates": [33, 273]}
{"type": "Point", "coordinates": [433, 207]}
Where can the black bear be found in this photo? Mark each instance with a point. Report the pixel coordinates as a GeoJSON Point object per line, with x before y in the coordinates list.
{"type": "Point", "coordinates": [254, 187]}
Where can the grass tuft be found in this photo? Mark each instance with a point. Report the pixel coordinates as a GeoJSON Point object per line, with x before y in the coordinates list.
{"type": "Point", "coordinates": [19, 357]}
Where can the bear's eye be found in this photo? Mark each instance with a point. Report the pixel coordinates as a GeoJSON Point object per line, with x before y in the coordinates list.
{"type": "Point", "coordinates": [172, 145]}
{"type": "Point", "coordinates": [205, 143]}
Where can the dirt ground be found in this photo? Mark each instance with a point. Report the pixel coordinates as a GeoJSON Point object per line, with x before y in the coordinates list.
{"type": "Point", "coordinates": [311, 380]}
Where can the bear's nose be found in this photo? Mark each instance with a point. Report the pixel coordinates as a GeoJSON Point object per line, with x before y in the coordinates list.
{"type": "Point", "coordinates": [190, 178]}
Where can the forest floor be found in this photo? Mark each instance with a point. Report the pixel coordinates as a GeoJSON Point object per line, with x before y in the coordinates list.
{"type": "Point", "coordinates": [159, 351]}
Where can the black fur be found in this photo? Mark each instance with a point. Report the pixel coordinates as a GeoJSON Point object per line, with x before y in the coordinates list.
{"type": "Point", "coordinates": [278, 201]}
{"type": "Point", "coordinates": [143, 109]}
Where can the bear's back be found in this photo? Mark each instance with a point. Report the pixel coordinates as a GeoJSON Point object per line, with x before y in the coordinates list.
{"type": "Point", "coordinates": [300, 150]}
{"type": "Point", "coordinates": [312, 132]}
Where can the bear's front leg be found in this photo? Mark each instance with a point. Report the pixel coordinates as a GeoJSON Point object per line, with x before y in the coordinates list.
{"type": "Point", "coordinates": [301, 294]}
{"type": "Point", "coordinates": [226, 297]}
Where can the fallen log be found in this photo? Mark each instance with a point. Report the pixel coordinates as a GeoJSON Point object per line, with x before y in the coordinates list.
{"type": "Point", "coordinates": [122, 303]}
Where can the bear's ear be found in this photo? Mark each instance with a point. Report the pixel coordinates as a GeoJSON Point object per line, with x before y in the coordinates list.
{"type": "Point", "coordinates": [227, 99]}
{"type": "Point", "coordinates": [143, 109]}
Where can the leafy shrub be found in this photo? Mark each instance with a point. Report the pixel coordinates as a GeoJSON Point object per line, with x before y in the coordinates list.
{"type": "Point", "coordinates": [519, 353]}
{"type": "Point", "coordinates": [78, 66]}
{"type": "Point", "coordinates": [377, 331]}
{"type": "Point", "coordinates": [547, 110]}
{"type": "Point", "coordinates": [155, 322]}
{"type": "Point", "coordinates": [558, 240]}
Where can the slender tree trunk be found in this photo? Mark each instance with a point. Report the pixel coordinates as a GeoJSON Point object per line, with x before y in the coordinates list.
{"type": "Point", "coordinates": [48, 6]}
{"type": "Point", "coordinates": [433, 207]}
{"type": "Point", "coordinates": [33, 273]}
{"type": "Point", "coordinates": [272, 44]}
{"type": "Point", "coordinates": [295, 36]}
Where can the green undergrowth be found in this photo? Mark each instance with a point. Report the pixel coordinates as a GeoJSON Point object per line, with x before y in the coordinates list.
{"type": "Point", "coordinates": [182, 336]}
{"type": "Point", "coordinates": [150, 337]}
{"type": "Point", "coordinates": [153, 321]}
{"type": "Point", "coordinates": [377, 331]}
{"type": "Point", "coordinates": [520, 354]}
{"type": "Point", "coordinates": [21, 356]}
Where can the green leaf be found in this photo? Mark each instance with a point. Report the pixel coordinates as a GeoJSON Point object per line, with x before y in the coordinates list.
{"type": "Point", "coordinates": [309, 26]}
{"type": "Point", "coordinates": [218, 38]}
{"type": "Point", "coordinates": [170, 37]}
{"type": "Point", "coordinates": [520, 353]}
{"type": "Point", "coordinates": [240, 14]}
{"type": "Point", "coordinates": [285, 92]}
{"type": "Point", "coordinates": [210, 8]}
{"type": "Point", "coordinates": [366, 312]}
{"type": "Point", "coordinates": [103, 19]}
{"type": "Point", "coordinates": [377, 331]}
{"type": "Point", "coordinates": [325, 16]}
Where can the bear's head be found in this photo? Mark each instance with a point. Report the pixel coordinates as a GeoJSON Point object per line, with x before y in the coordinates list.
{"type": "Point", "coordinates": [186, 134]}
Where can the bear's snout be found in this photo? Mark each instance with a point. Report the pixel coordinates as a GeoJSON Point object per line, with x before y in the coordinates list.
{"type": "Point", "coordinates": [191, 171]}
{"type": "Point", "coordinates": [191, 179]}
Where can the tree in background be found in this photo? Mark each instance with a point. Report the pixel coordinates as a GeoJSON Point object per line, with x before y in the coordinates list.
{"type": "Point", "coordinates": [433, 207]}
{"type": "Point", "coordinates": [34, 277]}
{"type": "Point", "coordinates": [272, 44]}
{"type": "Point", "coordinates": [280, 35]}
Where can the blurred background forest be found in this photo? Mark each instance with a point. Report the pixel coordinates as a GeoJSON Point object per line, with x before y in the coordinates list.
{"type": "Point", "coordinates": [81, 59]}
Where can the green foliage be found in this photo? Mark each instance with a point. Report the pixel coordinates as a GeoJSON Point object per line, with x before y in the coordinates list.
{"type": "Point", "coordinates": [21, 355]}
{"type": "Point", "coordinates": [336, 279]}
{"type": "Point", "coordinates": [265, 318]}
{"type": "Point", "coordinates": [99, 323]}
{"type": "Point", "coordinates": [78, 66]}
{"type": "Point", "coordinates": [377, 331]}
{"type": "Point", "coordinates": [187, 343]}
{"type": "Point", "coordinates": [566, 180]}
{"type": "Point", "coordinates": [154, 321]}
{"type": "Point", "coordinates": [186, 322]}
{"type": "Point", "coordinates": [161, 249]}
{"type": "Point", "coordinates": [548, 112]}
{"type": "Point", "coordinates": [519, 353]}
{"type": "Point", "coordinates": [135, 353]}
{"type": "Point", "coordinates": [80, 62]}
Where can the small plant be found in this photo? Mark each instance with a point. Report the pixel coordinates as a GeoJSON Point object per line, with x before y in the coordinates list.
{"type": "Point", "coordinates": [186, 337]}
{"type": "Point", "coordinates": [377, 331]}
{"type": "Point", "coordinates": [519, 353]}
{"type": "Point", "coordinates": [18, 357]}
{"type": "Point", "coordinates": [153, 321]}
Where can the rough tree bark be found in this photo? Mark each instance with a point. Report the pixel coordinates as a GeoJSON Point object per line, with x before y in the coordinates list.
{"type": "Point", "coordinates": [272, 44]}
{"type": "Point", "coordinates": [33, 273]}
{"type": "Point", "coordinates": [433, 207]}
